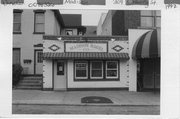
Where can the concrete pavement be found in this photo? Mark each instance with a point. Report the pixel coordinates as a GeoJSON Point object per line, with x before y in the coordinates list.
{"type": "Point", "coordinates": [74, 97]}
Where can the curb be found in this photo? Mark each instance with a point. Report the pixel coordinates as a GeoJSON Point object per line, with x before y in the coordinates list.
{"type": "Point", "coordinates": [80, 104]}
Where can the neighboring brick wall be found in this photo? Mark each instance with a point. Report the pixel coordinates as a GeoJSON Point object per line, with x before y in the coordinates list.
{"type": "Point", "coordinates": [132, 20]}
{"type": "Point", "coordinates": [118, 23]}
{"type": "Point", "coordinates": [124, 20]}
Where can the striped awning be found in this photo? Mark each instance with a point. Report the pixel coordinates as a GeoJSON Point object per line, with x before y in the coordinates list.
{"type": "Point", "coordinates": [85, 55]}
{"type": "Point", "coordinates": [147, 46]}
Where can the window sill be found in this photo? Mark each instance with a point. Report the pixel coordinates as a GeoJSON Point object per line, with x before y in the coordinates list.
{"type": "Point", "coordinates": [17, 32]}
{"type": "Point", "coordinates": [97, 79]}
{"type": "Point", "coordinates": [38, 32]}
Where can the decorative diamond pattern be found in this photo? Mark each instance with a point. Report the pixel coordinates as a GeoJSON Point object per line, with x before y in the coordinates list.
{"type": "Point", "coordinates": [117, 48]}
{"type": "Point", "coordinates": [54, 47]}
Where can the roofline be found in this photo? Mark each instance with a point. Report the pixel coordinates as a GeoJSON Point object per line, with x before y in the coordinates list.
{"type": "Point", "coordinates": [59, 17]}
{"type": "Point", "coordinates": [85, 38]}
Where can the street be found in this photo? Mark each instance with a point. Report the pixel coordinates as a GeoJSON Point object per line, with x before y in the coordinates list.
{"type": "Point", "coordinates": [90, 109]}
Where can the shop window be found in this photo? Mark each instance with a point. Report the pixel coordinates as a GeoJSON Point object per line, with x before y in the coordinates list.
{"type": "Point", "coordinates": [17, 21]}
{"type": "Point", "coordinates": [96, 69]}
{"type": "Point", "coordinates": [81, 70]}
{"type": "Point", "coordinates": [39, 22]}
{"type": "Point", "coordinates": [150, 18]}
{"type": "Point", "coordinates": [111, 69]}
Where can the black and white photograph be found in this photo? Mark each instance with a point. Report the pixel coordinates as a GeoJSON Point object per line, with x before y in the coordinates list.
{"type": "Point", "coordinates": [98, 61]}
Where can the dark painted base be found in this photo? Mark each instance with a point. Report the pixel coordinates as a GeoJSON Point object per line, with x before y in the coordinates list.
{"type": "Point", "coordinates": [96, 89]}
{"type": "Point", "coordinates": [34, 75]}
{"type": "Point", "coordinates": [47, 89]}
{"type": "Point", "coordinates": [149, 90]}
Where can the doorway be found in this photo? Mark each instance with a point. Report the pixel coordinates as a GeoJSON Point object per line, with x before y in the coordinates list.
{"type": "Point", "coordinates": [60, 77]}
{"type": "Point", "coordinates": [38, 62]}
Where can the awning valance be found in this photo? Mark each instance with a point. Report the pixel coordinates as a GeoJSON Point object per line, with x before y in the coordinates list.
{"type": "Point", "coordinates": [85, 55]}
{"type": "Point", "coordinates": [147, 46]}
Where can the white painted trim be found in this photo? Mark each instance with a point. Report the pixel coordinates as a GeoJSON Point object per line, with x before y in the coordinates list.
{"type": "Point", "coordinates": [83, 62]}
{"type": "Point", "coordinates": [112, 69]}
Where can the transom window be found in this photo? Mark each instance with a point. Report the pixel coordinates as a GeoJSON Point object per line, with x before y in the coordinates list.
{"type": "Point", "coordinates": [96, 69]}
{"type": "Point", "coordinates": [81, 70]}
{"type": "Point", "coordinates": [39, 22]}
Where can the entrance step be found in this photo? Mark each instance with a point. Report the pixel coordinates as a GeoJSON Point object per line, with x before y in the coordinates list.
{"type": "Point", "coordinates": [30, 83]}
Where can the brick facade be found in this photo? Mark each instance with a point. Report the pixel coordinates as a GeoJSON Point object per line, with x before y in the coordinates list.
{"type": "Point", "coordinates": [124, 20]}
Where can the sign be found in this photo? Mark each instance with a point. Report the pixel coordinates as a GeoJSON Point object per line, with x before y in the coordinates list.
{"type": "Point", "coordinates": [86, 47]}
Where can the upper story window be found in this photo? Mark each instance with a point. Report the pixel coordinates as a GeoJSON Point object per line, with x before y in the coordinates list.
{"type": "Point", "coordinates": [17, 21]}
{"type": "Point", "coordinates": [39, 22]}
{"type": "Point", "coordinates": [150, 18]}
{"type": "Point", "coordinates": [69, 32]}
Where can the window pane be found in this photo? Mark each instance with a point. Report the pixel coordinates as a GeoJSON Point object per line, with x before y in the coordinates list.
{"type": "Point", "coordinates": [40, 58]}
{"type": "Point", "coordinates": [96, 65]}
{"type": "Point", "coordinates": [17, 17]}
{"type": "Point", "coordinates": [39, 17]}
{"type": "Point", "coordinates": [111, 73]}
{"type": "Point", "coordinates": [158, 21]}
{"type": "Point", "coordinates": [112, 65]}
{"type": "Point", "coordinates": [96, 73]}
{"type": "Point", "coordinates": [147, 21]}
{"type": "Point", "coordinates": [81, 66]}
{"type": "Point", "coordinates": [146, 13]}
{"type": "Point", "coordinates": [81, 73]}
{"type": "Point", "coordinates": [39, 28]}
{"type": "Point", "coordinates": [16, 27]}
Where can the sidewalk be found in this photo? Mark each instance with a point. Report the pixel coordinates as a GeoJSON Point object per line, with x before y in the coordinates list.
{"type": "Point", "coordinates": [74, 97]}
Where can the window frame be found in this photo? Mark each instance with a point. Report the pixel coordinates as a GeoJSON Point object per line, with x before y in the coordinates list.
{"type": "Point", "coordinates": [35, 13]}
{"type": "Point", "coordinates": [91, 77]}
{"type": "Point", "coordinates": [153, 16]}
{"type": "Point", "coordinates": [88, 78]}
{"type": "Point", "coordinates": [107, 77]}
{"type": "Point", "coordinates": [17, 11]}
{"type": "Point", "coordinates": [81, 78]}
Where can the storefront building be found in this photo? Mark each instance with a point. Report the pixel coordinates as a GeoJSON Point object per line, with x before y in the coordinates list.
{"type": "Point", "coordinates": [85, 62]}
{"type": "Point", "coordinates": [99, 62]}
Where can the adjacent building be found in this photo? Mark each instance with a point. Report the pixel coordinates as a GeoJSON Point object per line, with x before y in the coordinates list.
{"type": "Point", "coordinates": [122, 52]}
{"type": "Point", "coordinates": [125, 54]}
{"type": "Point", "coordinates": [29, 26]}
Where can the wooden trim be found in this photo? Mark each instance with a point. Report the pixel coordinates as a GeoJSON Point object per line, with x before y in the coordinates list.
{"type": "Point", "coordinates": [17, 32]}
{"type": "Point", "coordinates": [53, 73]}
{"type": "Point", "coordinates": [81, 80]}
{"type": "Point", "coordinates": [39, 11]}
{"type": "Point", "coordinates": [88, 38]}
{"type": "Point", "coordinates": [97, 89]}
{"type": "Point", "coordinates": [17, 11]}
{"type": "Point", "coordinates": [37, 32]}
{"type": "Point", "coordinates": [104, 72]}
